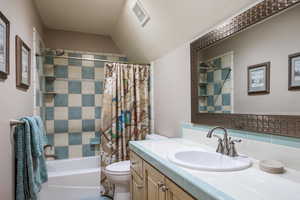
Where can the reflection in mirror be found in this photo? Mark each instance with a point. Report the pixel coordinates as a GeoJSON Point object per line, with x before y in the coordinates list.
{"type": "Point", "coordinates": [263, 51]}
{"type": "Point", "coordinates": [215, 85]}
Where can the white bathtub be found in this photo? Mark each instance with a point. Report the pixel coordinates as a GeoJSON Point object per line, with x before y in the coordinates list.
{"type": "Point", "coordinates": [72, 179]}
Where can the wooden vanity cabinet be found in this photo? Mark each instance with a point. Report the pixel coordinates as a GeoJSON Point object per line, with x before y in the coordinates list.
{"type": "Point", "coordinates": [149, 184]}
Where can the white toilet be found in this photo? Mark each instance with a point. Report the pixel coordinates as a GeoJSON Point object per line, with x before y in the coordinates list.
{"type": "Point", "coordinates": [119, 174]}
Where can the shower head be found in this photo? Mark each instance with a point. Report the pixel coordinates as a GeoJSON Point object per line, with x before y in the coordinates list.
{"type": "Point", "coordinates": [204, 65]}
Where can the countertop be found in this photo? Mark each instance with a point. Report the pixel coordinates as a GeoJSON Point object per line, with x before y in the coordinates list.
{"type": "Point", "coordinates": [248, 184]}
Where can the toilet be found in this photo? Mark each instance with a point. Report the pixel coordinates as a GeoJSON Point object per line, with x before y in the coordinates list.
{"type": "Point", "coordinates": [119, 174]}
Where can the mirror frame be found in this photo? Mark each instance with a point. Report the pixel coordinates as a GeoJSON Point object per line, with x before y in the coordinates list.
{"type": "Point", "coordinates": [283, 125]}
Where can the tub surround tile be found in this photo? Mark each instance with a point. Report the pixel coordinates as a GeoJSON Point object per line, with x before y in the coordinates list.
{"type": "Point", "coordinates": [60, 61]}
{"type": "Point", "coordinates": [60, 86]}
{"type": "Point", "coordinates": [88, 100]}
{"type": "Point", "coordinates": [61, 139]}
{"type": "Point", "coordinates": [61, 126]}
{"type": "Point", "coordinates": [98, 87]}
{"type": "Point", "coordinates": [61, 100]}
{"type": "Point", "coordinates": [88, 125]}
{"type": "Point", "coordinates": [98, 112]}
{"type": "Point", "coordinates": [88, 63]}
{"type": "Point", "coordinates": [75, 112]}
{"type": "Point", "coordinates": [62, 152]}
{"type": "Point", "coordinates": [88, 87]}
{"type": "Point", "coordinates": [88, 112]}
{"type": "Point", "coordinates": [75, 125]}
{"type": "Point", "coordinates": [61, 71]}
{"type": "Point", "coordinates": [87, 136]}
{"type": "Point", "coordinates": [88, 150]}
{"type": "Point", "coordinates": [73, 115]}
{"type": "Point", "coordinates": [88, 73]}
{"type": "Point", "coordinates": [75, 100]}
{"type": "Point", "coordinates": [75, 151]}
{"type": "Point", "coordinates": [75, 87]}
{"type": "Point", "coordinates": [50, 126]}
{"type": "Point", "coordinates": [74, 73]}
{"type": "Point", "coordinates": [61, 113]}
{"type": "Point", "coordinates": [75, 138]}
{"type": "Point", "coordinates": [99, 73]}
{"type": "Point", "coordinates": [49, 113]}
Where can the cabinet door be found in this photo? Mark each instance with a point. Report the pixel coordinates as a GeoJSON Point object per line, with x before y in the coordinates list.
{"type": "Point", "coordinates": [175, 193]}
{"type": "Point", "coordinates": [137, 187]}
{"type": "Point", "coordinates": [153, 182]}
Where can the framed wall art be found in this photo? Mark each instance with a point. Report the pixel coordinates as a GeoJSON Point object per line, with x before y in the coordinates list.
{"type": "Point", "coordinates": [23, 64]}
{"type": "Point", "coordinates": [4, 46]}
{"type": "Point", "coordinates": [259, 78]}
{"type": "Point", "coordinates": [294, 71]}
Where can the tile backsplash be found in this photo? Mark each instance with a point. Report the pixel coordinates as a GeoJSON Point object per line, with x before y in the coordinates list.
{"type": "Point", "coordinates": [73, 100]}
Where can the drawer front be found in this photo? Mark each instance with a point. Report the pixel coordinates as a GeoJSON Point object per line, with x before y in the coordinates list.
{"type": "Point", "coordinates": [136, 164]}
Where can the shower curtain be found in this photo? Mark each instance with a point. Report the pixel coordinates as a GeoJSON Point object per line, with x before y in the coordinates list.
{"type": "Point", "coordinates": [125, 113]}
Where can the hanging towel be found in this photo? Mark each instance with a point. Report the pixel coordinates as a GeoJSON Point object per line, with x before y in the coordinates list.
{"type": "Point", "coordinates": [31, 170]}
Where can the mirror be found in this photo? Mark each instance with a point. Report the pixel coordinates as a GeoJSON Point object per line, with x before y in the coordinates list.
{"type": "Point", "coordinates": [252, 71]}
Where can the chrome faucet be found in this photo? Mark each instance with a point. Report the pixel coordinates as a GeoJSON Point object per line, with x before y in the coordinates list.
{"type": "Point", "coordinates": [225, 145]}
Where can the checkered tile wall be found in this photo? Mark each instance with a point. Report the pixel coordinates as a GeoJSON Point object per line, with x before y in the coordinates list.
{"type": "Point", "coordinates": [73, 112]}
{"type": "Point", "coordinates": [215, 86]}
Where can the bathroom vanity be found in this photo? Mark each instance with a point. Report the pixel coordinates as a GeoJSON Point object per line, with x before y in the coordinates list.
{"type": "Point", "coordinates": [155, 177]}
{"type": "Point", "coordinates": [150, 184]}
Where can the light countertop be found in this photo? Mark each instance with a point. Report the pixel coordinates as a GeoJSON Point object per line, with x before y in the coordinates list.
{"type": "Point", "coordinates": [248, 184]}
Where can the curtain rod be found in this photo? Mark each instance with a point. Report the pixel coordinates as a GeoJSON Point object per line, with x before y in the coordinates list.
{"type": "Point", "coordinates": [90, 59]}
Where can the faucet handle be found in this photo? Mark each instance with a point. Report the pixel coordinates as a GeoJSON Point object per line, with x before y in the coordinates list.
{"type": "Point", "coordinates": [220, 148]}
{"type": "Point", "coordinates": [235, 141]}
{"type": "Point", "coordinates": [232, 150]}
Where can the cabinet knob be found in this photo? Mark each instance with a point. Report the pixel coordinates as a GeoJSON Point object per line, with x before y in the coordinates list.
{"type": "Point", "coordinates": [164, 188]}
{"type": "Point", "coordinates": [133, 163]}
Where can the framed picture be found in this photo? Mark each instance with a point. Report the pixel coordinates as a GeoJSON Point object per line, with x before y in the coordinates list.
{"type": "Point", "coordinates": [4, 46]}
{"type": "Point", "coordinates": [259, 78]}
{"type": "Point", "coordinates": [294, 71]}
{"type": "Point", "coordinates": [23, 64]}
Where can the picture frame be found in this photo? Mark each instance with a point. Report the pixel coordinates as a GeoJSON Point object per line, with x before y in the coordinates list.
{"type": "Point", "coordinates": [23, 64]}
{"type": "Point", "coordinates": [259, 79]}
{"type": "Point", "coordinates": [4, 46]}
{"type": "Point", "coordinates": [294, 72]}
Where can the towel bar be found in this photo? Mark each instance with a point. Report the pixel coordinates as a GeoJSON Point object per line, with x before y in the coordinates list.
{"type": "Point", "coordinates": [15, 122]}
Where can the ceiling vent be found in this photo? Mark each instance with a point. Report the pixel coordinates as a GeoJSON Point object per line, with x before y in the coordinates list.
{"type": "Point", "coordinates": [140, 13]}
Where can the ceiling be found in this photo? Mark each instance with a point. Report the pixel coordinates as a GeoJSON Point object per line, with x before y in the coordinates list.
{"type": "Point", "coordinates": [172, 23]}
{"type": "Point", "coordinates": [87, 16]}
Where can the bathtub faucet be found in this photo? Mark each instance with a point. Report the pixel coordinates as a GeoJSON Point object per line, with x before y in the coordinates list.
{"type": "Point", "coordinates": [53, 156]}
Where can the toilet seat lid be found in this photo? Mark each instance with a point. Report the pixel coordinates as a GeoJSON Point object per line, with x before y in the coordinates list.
{"type": "Point", "coordinates": [119, 167]}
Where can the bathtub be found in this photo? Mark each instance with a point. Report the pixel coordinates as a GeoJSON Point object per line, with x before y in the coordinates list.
{"type": "Point", "coordinates": [72, 179]}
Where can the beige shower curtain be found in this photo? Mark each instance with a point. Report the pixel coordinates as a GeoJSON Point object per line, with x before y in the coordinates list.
{"type": "Point", "coordinates": [125, 112]}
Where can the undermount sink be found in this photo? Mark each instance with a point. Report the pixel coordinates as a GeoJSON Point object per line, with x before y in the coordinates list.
{"type": "Point", "coordinates": [208, 161]}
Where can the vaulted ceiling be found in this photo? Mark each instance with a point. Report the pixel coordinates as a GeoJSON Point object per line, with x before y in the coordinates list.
{"type": "Point", "coordinates": [87, 16]}
{"type": "Point", "coordinates": [172, 23]}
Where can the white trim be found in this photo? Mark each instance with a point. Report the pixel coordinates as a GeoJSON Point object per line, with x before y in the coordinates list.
{"type": "Point", "coordinates": [152, 122]}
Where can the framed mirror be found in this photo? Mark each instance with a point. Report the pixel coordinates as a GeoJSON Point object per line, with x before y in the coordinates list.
{"type": "Point", "coordinates": [245, 73]}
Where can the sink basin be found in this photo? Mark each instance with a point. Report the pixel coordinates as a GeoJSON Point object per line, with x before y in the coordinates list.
{"type": "Point", "coordinates": [208, 161]}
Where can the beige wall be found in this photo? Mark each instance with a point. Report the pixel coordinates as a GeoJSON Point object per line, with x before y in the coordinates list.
{"type": "Point", "coordinates": [57, 39]}
{"type": "Point", "coordinates": [172, 91]}
{"type": "Point", "coordinates": [272, 41]}
{"type": "Point", "coordinates": [14, 103]}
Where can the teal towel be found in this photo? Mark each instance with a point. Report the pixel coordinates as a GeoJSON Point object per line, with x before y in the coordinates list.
{"type": "Point", "coordinates": [31, 171]}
